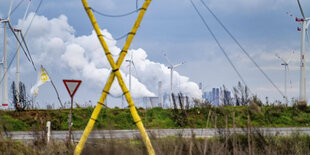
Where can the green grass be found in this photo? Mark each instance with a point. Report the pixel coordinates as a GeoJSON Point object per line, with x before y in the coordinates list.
{"type": "Point", "coordinates": [261, 116]}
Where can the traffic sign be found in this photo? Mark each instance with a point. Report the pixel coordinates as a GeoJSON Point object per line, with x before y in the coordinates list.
{"type": "Point", "coordinates": [72, 86]}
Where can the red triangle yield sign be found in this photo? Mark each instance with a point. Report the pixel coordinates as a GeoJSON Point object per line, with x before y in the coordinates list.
{"type": "Point", "coordinates": [72, 86]}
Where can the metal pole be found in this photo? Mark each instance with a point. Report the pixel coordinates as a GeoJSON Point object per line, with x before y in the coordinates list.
{"type": "Point", "coordinates": [70, 120]}
{"type": "Point", "coordinates": [160, 96]}
{"type": "Point", "coordinates": [171, 84]}
{"type": "Point", "coordinates": [130, 61]}
{"type": "Point", "coordinates": [285, 83]}
{"type": "Point", "coordinates": [17, 68]}
{"type": "Point", "coordinates": [62, 106]}
{"type": "Point", "coordinates": [302, 84]}
{"type": "Point", "coordinates": [5, 84]}
{"type": "Point", "coordinates": [1, 84]}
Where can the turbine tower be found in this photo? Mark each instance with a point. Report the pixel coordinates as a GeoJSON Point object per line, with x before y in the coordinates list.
{"type": "Point", "coordinates": [171, 67]}
{"type": "Point", "coordinates": [285, 64]}
{"type": "Point", "coordinates": [304, 29]}
{"type": "Point", "coordinates": [19, 32]}
{"type": "Point", "coordinates": [5, 102]}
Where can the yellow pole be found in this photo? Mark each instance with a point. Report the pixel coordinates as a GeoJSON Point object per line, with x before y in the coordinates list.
{"type": "Point", "coordinates": [115, 72]}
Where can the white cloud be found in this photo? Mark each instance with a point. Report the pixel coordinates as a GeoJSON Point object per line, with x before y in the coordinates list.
{"type": "Point", "coordinates": [54, 44]}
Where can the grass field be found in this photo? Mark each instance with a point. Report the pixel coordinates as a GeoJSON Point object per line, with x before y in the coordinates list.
{"type": "Point", "coordinates": [261, 116]}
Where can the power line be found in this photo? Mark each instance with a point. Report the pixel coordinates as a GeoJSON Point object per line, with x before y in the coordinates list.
{"type": "Point", "coordinates": [119, 38]}
{"type": "Point", "coordinates": [20, 2]}
{"type": "Point", "coordinates": [241, 47]}
{"type": "Point", "coordinates": [120, 15]}
{"type": "Point", "coordinates": [218, 43]}
{"type": "Point", "coordinates": [37, 9]}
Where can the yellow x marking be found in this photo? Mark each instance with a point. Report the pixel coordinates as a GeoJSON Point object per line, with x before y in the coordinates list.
{"type": "Point", "coordinates": [115, 72]}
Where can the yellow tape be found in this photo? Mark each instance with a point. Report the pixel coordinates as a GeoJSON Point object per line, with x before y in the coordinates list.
{"type": "Point", "coordinates": [116, 73]}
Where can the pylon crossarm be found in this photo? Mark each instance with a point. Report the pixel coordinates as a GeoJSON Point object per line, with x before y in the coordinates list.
{"type": "Point", "coordinates": [115, 72]}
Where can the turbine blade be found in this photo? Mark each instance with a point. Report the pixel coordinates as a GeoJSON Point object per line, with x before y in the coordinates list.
{"type": "Point", "coordinates": [29, 54]}
{"type": "Point", "coordinates": [11, 5]}
{"type": "Point", "coordinates": [20, 44]}
{"type": "Point", "coordinates": [289, 60]}
{"type": "Point", "coordinates": [167, 59]}
{"type": "Point", "coordinates": [308, 38]}
{"type": "Point", "coordinates": [178, 64]}
{"type": "Point", "coordinates": [302, 12]}
{"type": "Point", "coordinates": [291, 57]}
{"type": "Point", "coordinates": [288, 68]}
{"type": "Point", "coordinates": [134, 66]}
{"type": "Point", "coordinates": [26, 12]}
{"type": "Point", "coordinates": [281, 59]}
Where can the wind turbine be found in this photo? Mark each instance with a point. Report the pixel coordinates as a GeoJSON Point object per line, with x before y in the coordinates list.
{"type": "Point", "coordinates": [19, 32]}
{"type": "Point", "coordinates": [171, 67]}
{"type": "Point", "coordinates": [5, 78]}
{"type": "Point", "coordinates": [304, 29]}
{"type": "Point", "coordinates": [285, 64]}
{"type": "Point", "coordinates": [5, 101]}
{"type": "Point", "coordinates": [130, 61]}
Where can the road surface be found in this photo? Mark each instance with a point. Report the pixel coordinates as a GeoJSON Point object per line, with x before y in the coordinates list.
{"type": "Point", "coordinates": [129, 134]}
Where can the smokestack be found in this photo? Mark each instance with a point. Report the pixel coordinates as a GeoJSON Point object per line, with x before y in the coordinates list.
{"type": "Point", "coordinates": [200, 85]}
{"type": "Point", "coordinates": [160, 95]}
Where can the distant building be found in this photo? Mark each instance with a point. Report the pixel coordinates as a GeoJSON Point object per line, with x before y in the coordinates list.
{"type": "Point", "coordinates": [217, 97]}
{"type": "Point", "coordinates": [151, 102]}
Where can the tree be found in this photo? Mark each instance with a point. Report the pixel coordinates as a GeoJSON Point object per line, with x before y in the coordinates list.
{"type": "Point", "coordinates": [20, 101]}
{"type": "Point", "coordinates": [225, 96]}
{"type": "Point", "coordinates": [241, 94]}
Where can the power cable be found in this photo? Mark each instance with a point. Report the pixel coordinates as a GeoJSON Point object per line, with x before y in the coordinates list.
{"type": "Point", "coordinates": [14, 9]}
{"type": "Point", "coordinates": [119, 38]}
{"type": "Point", "coordinates": [37, 9]}
{"type": "Point", "coordinates": [218, 43]}
{"type": "Point", "coordinates": [241, 47]}
{"type": "Point", "coordinates": [120, 15]}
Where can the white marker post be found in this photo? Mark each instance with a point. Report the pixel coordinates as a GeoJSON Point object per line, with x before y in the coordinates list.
{"type": "Point", "coordinates": [48, 134]}
{"type": "Point", "coordinates": [71, 86]}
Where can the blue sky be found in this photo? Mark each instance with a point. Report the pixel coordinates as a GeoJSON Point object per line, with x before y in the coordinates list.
{"type": "Point", "coordinates": [261, 26]}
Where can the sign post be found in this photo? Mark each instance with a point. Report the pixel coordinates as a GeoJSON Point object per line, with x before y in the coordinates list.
{"type": "Point", "coordinates": [71, 86]}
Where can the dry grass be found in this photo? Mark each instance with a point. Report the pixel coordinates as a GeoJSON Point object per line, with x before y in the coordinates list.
{"type": "Point", "coordinates": [178, 145]}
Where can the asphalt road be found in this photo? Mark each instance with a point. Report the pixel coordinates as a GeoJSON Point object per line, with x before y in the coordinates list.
{"type": "Point", "coordinates": [129, 134]}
